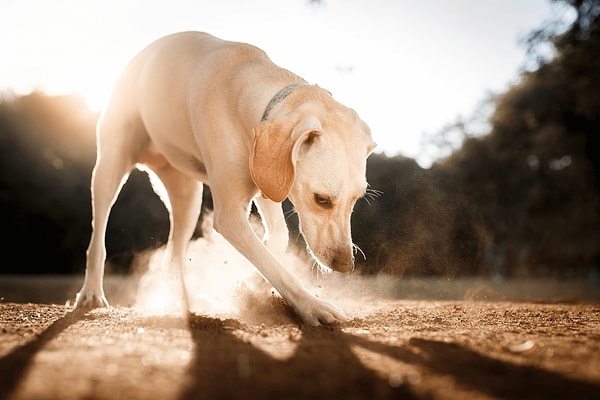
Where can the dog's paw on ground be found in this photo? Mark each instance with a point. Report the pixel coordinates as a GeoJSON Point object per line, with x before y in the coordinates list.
{"type": "Point", "coordinates": [258, 303]}
{"type": "Point", "coordinates": [90, 300]}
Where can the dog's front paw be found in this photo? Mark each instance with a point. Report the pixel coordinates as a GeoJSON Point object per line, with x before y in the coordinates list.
{"type": "Point", "coordinates": [89, 300]}
{"type": "Point", "coordinates": [315, 311]}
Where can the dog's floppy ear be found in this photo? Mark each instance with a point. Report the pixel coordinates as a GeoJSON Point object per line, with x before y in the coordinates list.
{"type": "Point", "coordinates": [274, 154]}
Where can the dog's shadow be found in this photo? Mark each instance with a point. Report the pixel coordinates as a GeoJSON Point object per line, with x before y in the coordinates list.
{"type": "Point", "coordinates": [324, 365]}
{"type": "Point", "coordinates": [15, 364]}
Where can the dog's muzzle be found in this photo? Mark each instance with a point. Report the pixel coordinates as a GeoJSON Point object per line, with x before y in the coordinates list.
{"type": "Point", "coordinates": [343, 263]}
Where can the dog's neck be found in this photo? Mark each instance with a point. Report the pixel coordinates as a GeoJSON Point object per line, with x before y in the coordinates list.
{"type": "Point", "coordinates": [280, 96]}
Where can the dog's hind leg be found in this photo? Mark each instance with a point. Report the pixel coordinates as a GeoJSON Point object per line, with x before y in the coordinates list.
{"type": "Point", "coordinates": [121, 137]}
{"type": "Point", "coordinates": [184, 204]}
{"type": "Point", "coordinates": [277, 234]}
{"type": "Point", "coordinates": [110, 173]}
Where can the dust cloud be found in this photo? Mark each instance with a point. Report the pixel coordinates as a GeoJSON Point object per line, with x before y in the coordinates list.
{"type": "Point", "coordinates": [218, 281]}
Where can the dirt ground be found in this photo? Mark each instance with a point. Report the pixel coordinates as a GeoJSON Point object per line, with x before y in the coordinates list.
{"type": "Point", "coordinates": [485, 344]}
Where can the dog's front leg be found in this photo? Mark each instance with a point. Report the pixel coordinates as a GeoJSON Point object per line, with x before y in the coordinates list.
{"type": "Point", "coordinates": [277, 235]}
{"type": "Point", "coordinates": [230, 220]}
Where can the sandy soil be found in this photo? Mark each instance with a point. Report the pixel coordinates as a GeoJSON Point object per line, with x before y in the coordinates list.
{"type": "Point", "coordinates": [415, 348]}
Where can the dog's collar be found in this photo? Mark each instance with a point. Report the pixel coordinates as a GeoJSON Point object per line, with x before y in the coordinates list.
{"type": "Point", "coordinates": [279, 96]}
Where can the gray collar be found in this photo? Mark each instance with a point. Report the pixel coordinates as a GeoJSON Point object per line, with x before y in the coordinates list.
{"type": "Point", "coordinates": [278, 98]}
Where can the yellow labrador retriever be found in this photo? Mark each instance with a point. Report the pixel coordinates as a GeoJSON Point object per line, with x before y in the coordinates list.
{"type": "Point", "coordinates": [193, 108]}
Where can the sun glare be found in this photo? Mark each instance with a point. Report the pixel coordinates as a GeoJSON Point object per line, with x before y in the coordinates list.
{"type": "Point", "coordinates": [95, 98]}
{"type": "Point", "coordinates": [94, 86]}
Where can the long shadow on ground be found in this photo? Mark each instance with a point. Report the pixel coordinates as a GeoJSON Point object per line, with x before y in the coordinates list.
{"type": "Point", "coordinates": [14, 365]}
{"type": "Point", "coordinates": [324, 366]}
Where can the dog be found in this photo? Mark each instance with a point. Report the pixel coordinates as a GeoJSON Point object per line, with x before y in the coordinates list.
{"type": "Point", "coordinates": [192, 109]}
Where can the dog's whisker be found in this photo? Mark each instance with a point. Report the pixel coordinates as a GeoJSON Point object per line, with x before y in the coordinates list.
{"type": "Point", "coordinates": [289, 213]}
{"type": "Point", "coordinates": [315, 267]}
{"type": "Point", "coordinates": [371, 195]}
{"type": "Point", "coordinates": [357, 250]}
{"type": "Point", "coordinates": [287, 216]}
{"type": "Point", "coordinates": [316, 272]}
{"type": "Point", "coordinates": [319, 270]}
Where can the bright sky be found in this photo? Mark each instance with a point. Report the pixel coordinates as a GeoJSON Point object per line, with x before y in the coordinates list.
{"type": "Point", "coordinates": [407, 67]}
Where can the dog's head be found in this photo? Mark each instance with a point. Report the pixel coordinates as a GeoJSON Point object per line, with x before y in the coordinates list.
{"type": "Point", "coordinates": [315, 153]}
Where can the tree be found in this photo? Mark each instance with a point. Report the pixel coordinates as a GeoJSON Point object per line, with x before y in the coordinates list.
{"type": "Point", "coordinates": [534, 178]}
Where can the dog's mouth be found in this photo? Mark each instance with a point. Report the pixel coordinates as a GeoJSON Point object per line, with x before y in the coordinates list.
{"type": "Point", "coordinates": [343, 260]}
{"type": "Point", "coordinates": [338, 263]}
{"type": "Point", "coordinates": [342, 267]}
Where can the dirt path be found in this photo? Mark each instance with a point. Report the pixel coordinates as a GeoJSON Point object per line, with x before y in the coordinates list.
{"type": "Point", "coordinates": [390, 349]}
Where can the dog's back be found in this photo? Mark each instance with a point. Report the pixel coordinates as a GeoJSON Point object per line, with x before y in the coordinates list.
{"type": "Point", "coordinates": [184, 92]}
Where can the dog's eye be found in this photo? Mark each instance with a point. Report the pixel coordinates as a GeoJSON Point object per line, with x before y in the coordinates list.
{"type": "Point", "coordinates": [323, 201]}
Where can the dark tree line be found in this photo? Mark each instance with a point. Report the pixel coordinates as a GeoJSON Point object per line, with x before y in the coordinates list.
{"type": "Point", "coordinates": [47, 150]}
{"type": "Point", "coordinates": [534, 179]}
{"type": "Point", "coordinates": [520, 200]}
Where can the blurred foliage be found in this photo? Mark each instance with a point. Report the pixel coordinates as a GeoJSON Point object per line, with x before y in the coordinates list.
{"type": "Point", "coordinates": [48, 152]}
{"type": "Point", "coordinates": [44, 169]}
{"type": "Point", "coordinates": [534, 179]}
{"type": "Point", "coordinates": [520, 200]}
